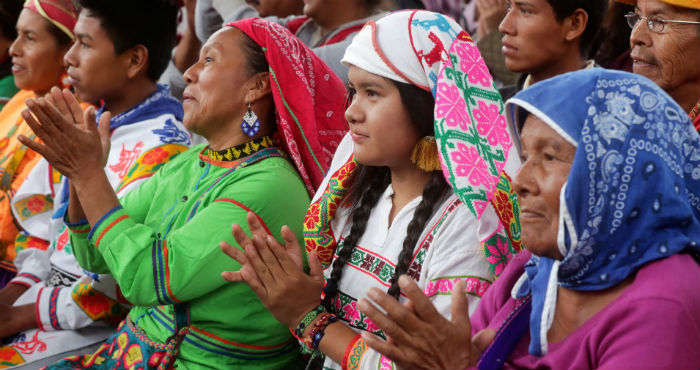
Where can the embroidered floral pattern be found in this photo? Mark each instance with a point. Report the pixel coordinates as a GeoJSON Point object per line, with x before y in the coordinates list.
{"type": "Point", "coordinates": [443, 286]}
{"type": "Point", "coordinates": [97, 305]}
{"type": "Point", "coordinates": [33, 205]}
{"type": "Point", "coordinates": [148, 163]}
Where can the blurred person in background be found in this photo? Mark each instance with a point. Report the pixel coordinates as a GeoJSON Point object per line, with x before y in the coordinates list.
{"type": "Point", "coordinates": [9, 12]}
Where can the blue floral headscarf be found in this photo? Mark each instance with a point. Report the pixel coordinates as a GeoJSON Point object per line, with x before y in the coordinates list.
{"type": "Point", "coordinates": [633, 193]}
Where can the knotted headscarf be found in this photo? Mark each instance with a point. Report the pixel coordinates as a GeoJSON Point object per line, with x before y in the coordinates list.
{"type": "Point", "coordinates": [433, 52]}
{"type": "Point", "coordinates": [309, 99]}
{"type": "Point", "coordinates": [633, 193]}
{"type": "Point", "coordinates": [61, 13]}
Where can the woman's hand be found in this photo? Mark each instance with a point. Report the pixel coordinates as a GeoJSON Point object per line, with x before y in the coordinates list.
{"type": "Point", "coordinates": [275, 272]}
{"type": "Point", "coordinates": [419, 337]}
{"type": "Point", "coordinates": [72, 143]}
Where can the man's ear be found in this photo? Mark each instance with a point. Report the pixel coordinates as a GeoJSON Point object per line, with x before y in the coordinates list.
{"type": "Point", "coordinates": [137, 59]}
{"type": "Point", "coordinates": [575, 24]}
{"type": "Point", "coordinates": [259, 86]}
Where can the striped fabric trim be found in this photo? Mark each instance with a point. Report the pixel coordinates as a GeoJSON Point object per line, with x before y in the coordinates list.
{"type": "Point", "coordinates": [53, 308]}
{"type": "Point", "coordinates": [161, 273]}
{"type": "Point", "coordinates": [29, 276]}
{"type": "Point", "coordinates": [102, 220]}
{"type": "Point", "coordinates": [8, 265]}
{"type": "Point", "coordinates": [214, 344]}
{"type": "Point", "coordinates": [233, 201]}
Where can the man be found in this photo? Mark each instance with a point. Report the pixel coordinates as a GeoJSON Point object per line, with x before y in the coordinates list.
{"type": "Point", "coordinates": [545, 38]}
{"type": "Point", "coordinates": [121, 48]}
{"type": "Point", "coordinates": [665, 44]}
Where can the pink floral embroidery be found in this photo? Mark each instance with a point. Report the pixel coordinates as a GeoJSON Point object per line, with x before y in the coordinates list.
{"type": "Point", "coordinates": [444, 286]}
{"type": "Point", "coordinates": [471, 165]}
{"type": "Point", "coordinates": [451, 106]}
{"type": "Point", "coordinates": [500, 255]}
{"type": "Point", "coordinates": [472, 63]}
{"type": "Point", "coordinates": [492, 125]}
{"type": "Point", "coordinates": [385, 363]}
{"type": "Point", "coordinates": [352, 314]}
{"type": "Point", "coordinates": [371, 327]}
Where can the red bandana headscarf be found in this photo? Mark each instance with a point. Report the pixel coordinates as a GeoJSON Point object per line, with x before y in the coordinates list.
{"type": "Point", "coordinates": [61, 13]}
{"type": "Point", "coordinates": [309, 99]}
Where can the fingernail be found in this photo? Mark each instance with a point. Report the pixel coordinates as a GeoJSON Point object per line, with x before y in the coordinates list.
{"type": "Point", "coordinates": [372, 294]}
{"type": "Point", "coordinates": [403, 281]}
{"type": "Point", "coordinates": [362, 305]}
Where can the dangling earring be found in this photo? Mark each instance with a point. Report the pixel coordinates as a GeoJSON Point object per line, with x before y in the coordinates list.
{"type": "Point", "coordinates": [425, 154]}
{"type": "Point", "coordinates": [250, 124]}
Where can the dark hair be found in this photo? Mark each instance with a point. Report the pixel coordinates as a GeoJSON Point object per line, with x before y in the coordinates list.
{"type": "Point", "coordinates": [255, 56]}
{"type": "Point", "coordinates": [62, 38]}
{"type": "Point", "coordinates": [9, 12]}
{"type": "Point", "coordinates": [613, 39]}
{"type": "Point", "coordinates": [370, 183]}
{"type": "Point", "coordinates": [594, 8]}
{"type": "Point", "coordinates": [128, 23]}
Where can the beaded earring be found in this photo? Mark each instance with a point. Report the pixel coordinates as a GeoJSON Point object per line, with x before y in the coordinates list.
{"type": "Point", "coordinates": [250, 124]}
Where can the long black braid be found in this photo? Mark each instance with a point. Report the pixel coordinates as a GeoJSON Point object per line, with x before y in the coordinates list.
{"type": "Point", "coordinates": [368, 186]}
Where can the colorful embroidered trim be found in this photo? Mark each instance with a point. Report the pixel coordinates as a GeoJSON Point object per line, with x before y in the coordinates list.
{"type": "Point", "coordinates": [53, 307]}
{"type": "Point", "coordinates": [33, 205]}
{"type": "Point", "coordinates": [241, 150]}
{"type": "Point", "coordinates": [318, 235]}
{"type": "Point", "coordinates": [148, 163]}
{"type": "Point", "coordinates": [25, 241]}
{"type": "Point", "coordinates": [354, 353]}
{"type": "Point", "coordinates": [98, 306]}
{"type": "Point", "coordinates": [476, 286]}
{"type": "Point", "coordinates": [211, 343]}
{"type": "Point", "coordinates": [694, 112]}
{"type": "Point", "coordinates": [101, 220]}
{"type": "Point", "coordinates": [29, 276]}
{"type": "Point", "coordinates": [345, 307]}
{"type": "Point", "coordinates": [161, 273]}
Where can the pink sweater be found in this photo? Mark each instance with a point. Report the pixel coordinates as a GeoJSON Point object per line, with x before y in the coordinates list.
{"type": "Point", "coordinates": [653, 324]}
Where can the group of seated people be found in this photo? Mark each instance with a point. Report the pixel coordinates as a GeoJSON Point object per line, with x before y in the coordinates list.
{"type": "Point", "coordinates": [347, 188]}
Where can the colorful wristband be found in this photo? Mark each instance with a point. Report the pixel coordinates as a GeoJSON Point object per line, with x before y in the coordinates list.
{"type": "Point", "coordinates": [307, 320]}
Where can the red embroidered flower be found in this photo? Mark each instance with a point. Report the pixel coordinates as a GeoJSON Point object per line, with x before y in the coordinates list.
{"type": "Point", "coordinates": [312, 217]}
{"type": "Point", "coordinates": [503, 207]}
{"type": "Point", "coordinates": [95, 304]}
{"type": "Point", "coordinates": [36, 204]}
{"type": "Point", "coordinates": [157, 155]}
{"type": "Point", "coordinates": [37, 243]}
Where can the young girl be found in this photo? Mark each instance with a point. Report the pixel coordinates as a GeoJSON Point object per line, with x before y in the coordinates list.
{"type": "Point", "coordinates": [422, 101]}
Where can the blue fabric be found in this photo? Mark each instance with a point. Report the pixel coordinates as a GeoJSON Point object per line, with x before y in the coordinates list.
{"type": "Point", "coordinates": [157, 104]}
{"type": "Point", "coordinates": [633, 193]}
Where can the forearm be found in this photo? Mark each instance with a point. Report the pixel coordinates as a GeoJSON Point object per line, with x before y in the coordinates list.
{"type": "Point", "coordinates": [11, 292]}
{"type": "Point", "coordinates": [336, 338]}
{"type": "Point", "coordinates": [21, 318]}
{"type": "Point", "coordinates": [187, 51]}
{"type": "Point", "coordinates": [95, 197]}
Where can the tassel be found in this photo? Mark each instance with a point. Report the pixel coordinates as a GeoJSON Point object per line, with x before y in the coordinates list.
{"type": "Point", "coordinates": [425, 154]}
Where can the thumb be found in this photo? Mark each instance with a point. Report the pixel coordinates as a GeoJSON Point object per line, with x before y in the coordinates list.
{"type": "Point", "coordinates": [481, 341]}
{"type": "Point", "coordinates": [460, 305]}
{"type": "Point", "coordinates": [315, 267]}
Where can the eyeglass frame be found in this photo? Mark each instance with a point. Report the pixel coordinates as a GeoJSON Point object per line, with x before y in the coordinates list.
{"type": "Point", "coordinates": [651, 20]}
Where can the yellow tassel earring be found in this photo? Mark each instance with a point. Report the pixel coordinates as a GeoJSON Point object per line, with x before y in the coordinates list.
{"type": "Point", "coordinates": [425, 154]}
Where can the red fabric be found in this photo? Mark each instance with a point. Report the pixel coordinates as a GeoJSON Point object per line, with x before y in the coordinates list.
{"type": "Point", "coordinates": [295, 24]}
{"type": "Point", "coordinates": [342, 35]}
{"type": "Point", "coordinates": [696, 123]}
{"type": "Point", "coordinates": [309, 99]}
{"type": "Point", "coordinates": [57, 11]}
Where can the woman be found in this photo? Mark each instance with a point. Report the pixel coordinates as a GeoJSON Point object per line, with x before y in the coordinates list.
{"type": "Point", "coordinates": [45, 33]}
{"type": "Point", "coordinates": [386, 208]}
{"type": "Point", "coordinates": [609, 194]}
{"type": "Point", "coordinates": [160, 241]}
{"type": "Point", "coordinates": [9, 12]}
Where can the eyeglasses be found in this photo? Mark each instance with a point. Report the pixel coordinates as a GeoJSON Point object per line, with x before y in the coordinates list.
{"type": "Point", "coordinates": [654, 23]}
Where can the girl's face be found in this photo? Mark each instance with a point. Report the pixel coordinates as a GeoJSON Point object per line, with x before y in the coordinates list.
{"type": "Point", "coordinates": [37, 59]}
{"type": "Point", "coordinates": [380, 125]}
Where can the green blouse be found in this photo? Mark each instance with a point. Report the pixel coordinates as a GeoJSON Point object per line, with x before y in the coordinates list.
{"type": "Point", "coordinates": [162, 247]}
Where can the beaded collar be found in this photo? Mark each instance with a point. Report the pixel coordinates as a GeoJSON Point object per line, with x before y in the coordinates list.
{"type": "Point", "coordinates": [241, 150]}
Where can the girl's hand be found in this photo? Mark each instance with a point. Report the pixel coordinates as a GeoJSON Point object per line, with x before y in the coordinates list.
{"type": "Point", "coordinates": [419, 337]}
{"type": "Point", "coordinates": [275, 272]}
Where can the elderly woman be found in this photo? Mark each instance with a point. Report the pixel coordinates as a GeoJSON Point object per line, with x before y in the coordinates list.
{"type": "Point", "coordinates": [44, 35]}
{"type": "Point", "coordinates": [665, 44]}
{"type": "Point", "coordinates": [610, 208]}
{"type": "Point", "coordinates": [160, 242]}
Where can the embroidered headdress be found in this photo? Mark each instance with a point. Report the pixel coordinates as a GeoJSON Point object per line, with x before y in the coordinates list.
{"type": "Point", "coordinates": [633, 193]}
{"type": "Point", "coordinates": [61, 13]}
{"type": "Point", "coordinates": [432, 51]}
{"type": "Point", "coordinates": [309, 99]}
